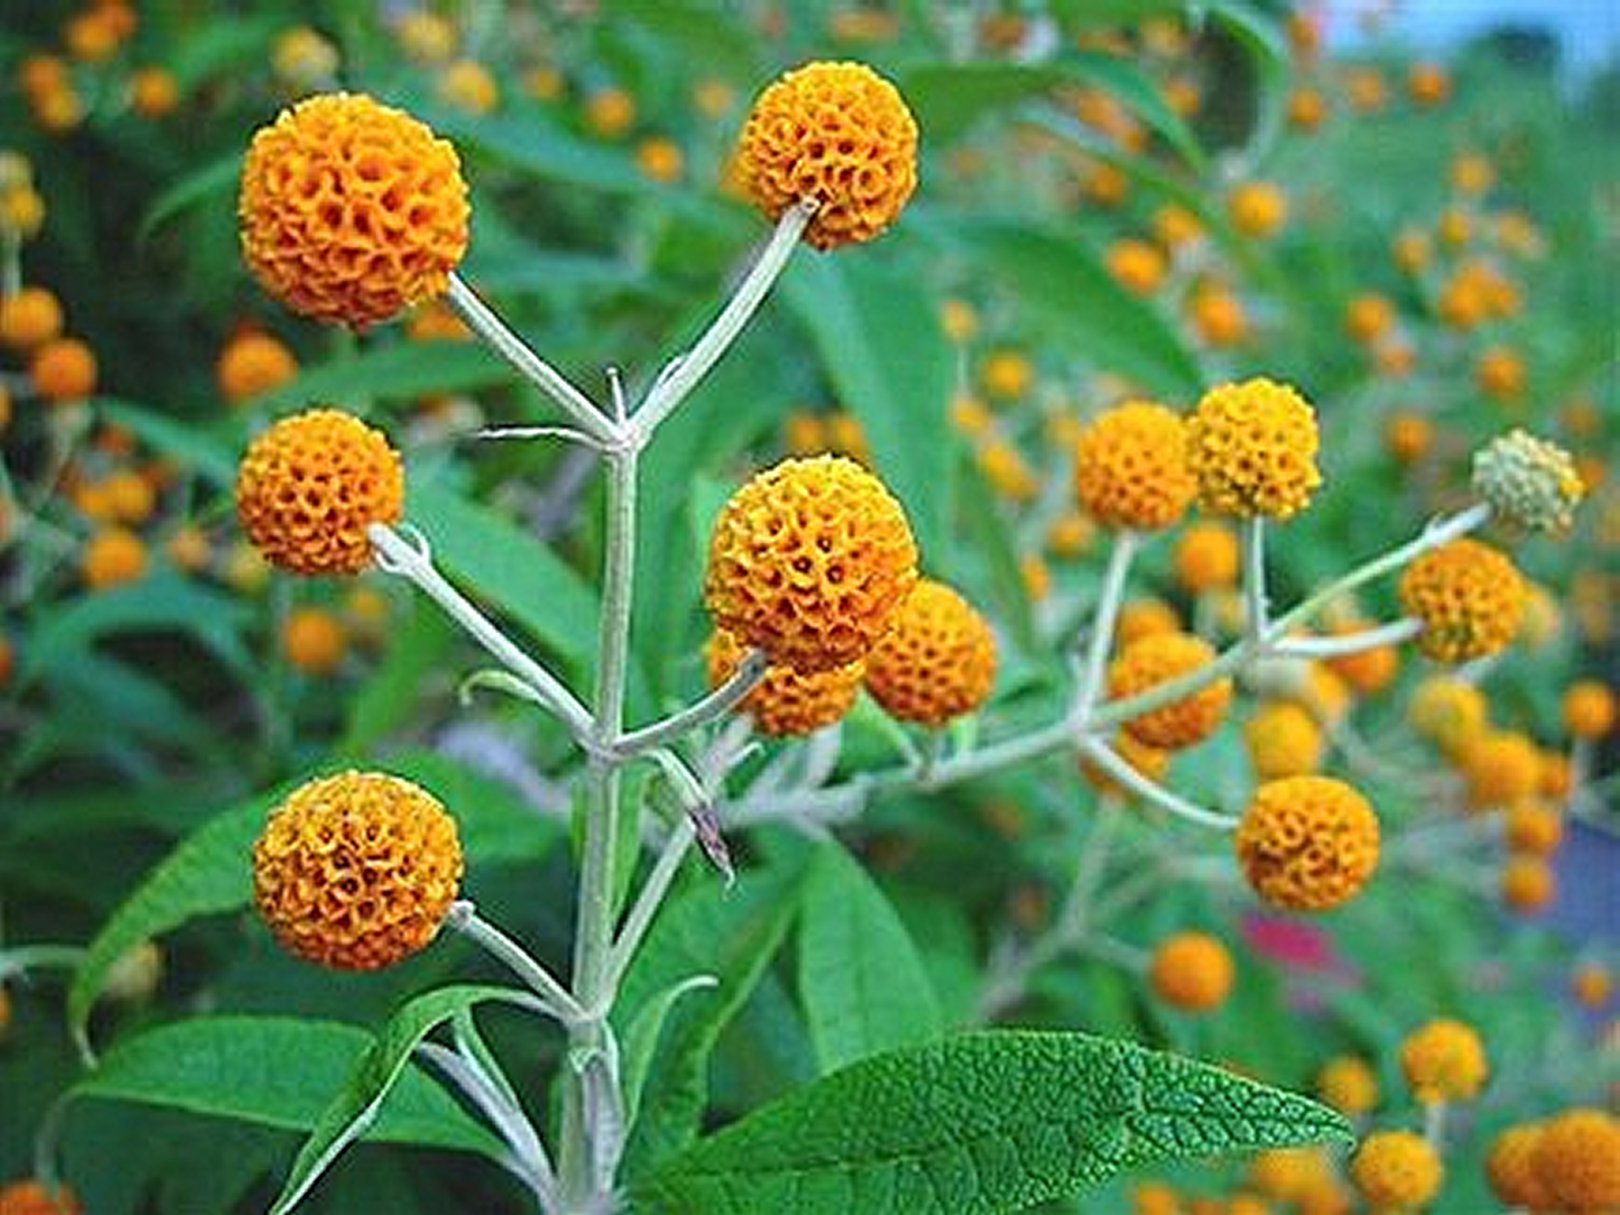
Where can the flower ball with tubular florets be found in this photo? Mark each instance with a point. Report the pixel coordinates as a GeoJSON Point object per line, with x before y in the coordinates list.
{"type": "Point", "coordinates": [1159, 658]}
{"type": "Point", "coordinates": [1469, 598]}
{"type": "Point", "coordinates": [351, 210]}
{"type": "Point", "coordinates": [308, 488]}
{"type": "Point", "coordinates": [810, 561]}
{"type": "Point", "coordinates": [1307, 843]}
{"type": "Point", "coordinates": [1252, 446]}
{"type": "Point", "coordinates": [936, 662]}
{"type": "Point", "coordinates": [1130, 468]}
{"type": "Point", "coordinates": [837, 134]}
{"type": "Point", "coordinates": [356, 871]}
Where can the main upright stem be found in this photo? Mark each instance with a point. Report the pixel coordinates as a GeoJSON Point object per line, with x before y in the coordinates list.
{"type": "Point", "coordinates": [592, 1129]}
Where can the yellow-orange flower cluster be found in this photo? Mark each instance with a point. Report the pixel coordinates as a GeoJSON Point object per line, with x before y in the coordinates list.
{"type": "Point", "coordinates": [1396, 1170]}
{"type": "Point", "coordinates": [785, 702]}
{"type": "Point", "coordinates": [356, 871]}
{"type": "Point", "coordinates": [835, 133]}
{"type": "Point", "coordinates": [29, 1197]}
{"type": "Point", "coordinates": [936, 662]}
{"type": "Point", "coordinates": [1307, 843]}
{"type": "Point", "coordinates": [310, 485]}
{"type": "Point", "coordinates": [1444, 1060]}
{"type": "Point", "coordinates": [1348, 1084]}
{"type": "Point", "coordinates": [1283, 739]}
{"type": "Point", "coordinates": [1159, 658]}
{"type": "Point", "coordinates": [1130, 467]}
{"type": "Point", "coordinates": [1510, 1168]}
{"type": "Point", "coordinates": [1469, 597]}
{"type": "Point", "coordinates": [1252, 447]}
{"type": "Point", "coordinates": [251, 363]}
{"type": "Point", "coordinates": [1206, 557]}
{"type": "Point", "coordinates": [1588, 708]}
{"type": "Point", "coordinates": [1500, 767]}
{"type": "Point", "coordinates": [1191, 971]}
{"type": "Point", "coordinates": [1577, 1160]}
{"type": "Point", "coordinates": [809, 561]}
{"type": "Point", "coordinates": [351, 210]}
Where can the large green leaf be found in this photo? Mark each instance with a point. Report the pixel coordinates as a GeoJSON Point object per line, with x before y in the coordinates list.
{"type": "Point", "coordinates": [729, 934]}
{"type": "Point", "coordinates": [879, 338]}
{"type": "Point", "coordinates": [1064, 290]}
{"type": "Point", "coordinates": [274, 1071]}
{"type": "Point", "coordinates": [986, 1122]}
{"type": "Point", "coordinates": [379, 1070]}
{"type": "Point", "coordinates": [402, 370]}
{"type": "Point", "coordinates": [389, 696]}
{"type": "Point", "coordinates": [510, 568]}
{"type": "Point", "coordinates": [212, 184]}
{"type": "Point", "coordinates": [160, 601]}
{"type": "Point", "coordinates": [206, 875]}
{"type": "Point", "coordinates": [199, 449]}
{"type": "Point", "coordinates": [862, 985]}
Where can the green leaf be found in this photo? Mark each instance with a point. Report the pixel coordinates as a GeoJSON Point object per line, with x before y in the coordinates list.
{"type": "Point", "coordinates": [1064, 290]}
{"type": "Point", "coordinates": [862, 985]}
{"type": "Point", "coordinates": [159, 601]}
{"type": "Point", "coordinates": [388, 698]}
{"type": "Point", "coordinates": [532, 143]}
{"type": "Point", "coordinates": [728, 933]}
{"type": "Point", "coordinates": [510, 568]}
{"type": "Point", "coordinates": [641, 1038]}
{"type": "Point", "coordinates": [986, 1122]}
{"type": "Point", "coordinates": [1137, 92]}
{"type": "Point", "coordinates": [359, 1104]}
{"type": "Point", "coordinates": [199, 449]}
{"type": "Point", "coordinates": [948, 98]}
{"type": "Point", "coordinates": [493, 820]}
{"type": "Point", "coordinates": [277, 1072]}
{"type": "Point", "coordinates": [1259, 35]}
{"type": "Point", "coordinates": [879, 338]}
{"type": "Point", "coordinates": [403, 370]}
{"type": "Point", "coordinates": [209, 184]}
{"type": "Point", "coordinates": [206, 875]}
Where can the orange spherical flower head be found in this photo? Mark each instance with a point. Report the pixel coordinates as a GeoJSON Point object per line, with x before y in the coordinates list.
{"type": "Point", "coordinates": [1577, 1158]}
{"type": "Point", "coordinates": [1592, 984]}
{"type": "Point", "coordinates": [1408, 437]}
{"type": "Point", "coordinates": [1155, 1198]}
{"type": "Point", "coordinates": [1257, 208]}
{"type": "Point", "coordinates": [835, 133]}
{"type": "Point", "coordinates": [356, 871]}
{"type": "Point", "coordinates": [314, 640]}
{"type": "Point", "coordinates": [1368, 317]}
{"type": "Point", "coordinates": [32, 1198]}
{"type": "Point", "coordinates": [29, 317]}
{"type": "Point", "coordinates": [1500, 767]}
{"type": "Point", "coordinates": [1252, 447]}
{"type": "Point", "coordinates": [1218, 316]}
{"type": "Point", "coordinates": [1448, 712]}
{"type": "Point", "coordinates": [113, 556]}
{"type": "Point", "coordinates": [1396, 1170]}
{"type": "Point", "coordinates": [810, 561]}
{"type": "Point", "coordinates": [1192, 971]}
{"type": "Point", "coordinates": [1429, 84]}
{"type": "Point", "coordinates": [1349, 1085]}
{"type": "Point", "coordinates": [936, 662]}
{"type": "Point", "coordinates": [1136, 265]}
{"type": "Point", "coordinates": [1283, 739]}
{"type": "Point", "coordinates": [350, 210]}
{"type": "Point", "coordinates": [1588, 708]}
{"type": "Point", "coordinates": [308, 488]}
{"type": "Point", "coordinates": [63, 369]}
{"type": "Point", "coordinates": [1469, 598]}
{"type": "Point", "coordinates": [1159, 658]}
{"type": "Point", "coordinates": [1510, 1168]}
{"type": "Point", "coordinates": [252, 363]}
{"type": "Point", "coordinates": [1206, 557]}
{"type": "Point", "coordinates": [1533, 827]}
{"type": "Point", "coordinates": [1444, 1061]}
{"type": "Point", "coordinates": [1527, 883]}
{"type": "Point", "coordinates": [1307, 843]}
{"type": "Point", "coordinates": [785, 702]}
{"type": "Point", "coordinates": [1130, 468]}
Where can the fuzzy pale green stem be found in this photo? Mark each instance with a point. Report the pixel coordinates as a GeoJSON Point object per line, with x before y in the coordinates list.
{"type": "Point", "coordinates": [464, 918]}
{"type": "Point", "coordinates": [590, 1144]}
{"type": "Point", "coordinates": [1255, 606]}
{"type": "Point", "coordinates": [1392, 633]}
{"type": "Point", "coordinates": [715, 705]}
{"type": "Point", "coordinates": [680, 377]}
{"type": "Point", "coordinates": [641, 913]}
{"type": "Point", "coordinates": [1111, 762]}
{"type": "Point", "coordinates": [399, 556]}
{"type": "Point", "coordinates": [1103, 620]}
{"type": "Point", "coordinates": [493, 331]}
